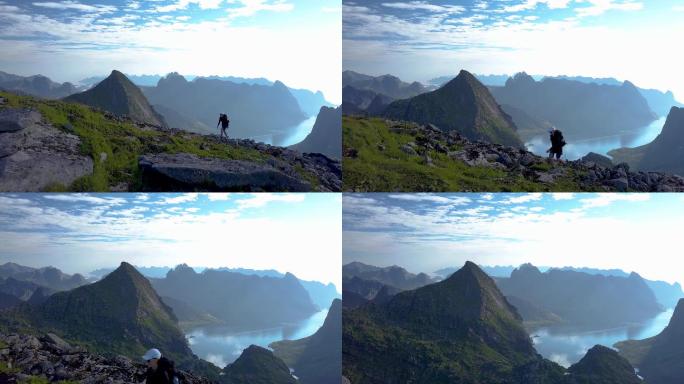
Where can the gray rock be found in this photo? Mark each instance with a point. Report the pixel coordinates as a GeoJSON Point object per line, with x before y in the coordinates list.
{"type": "Point", "coordinates": [621, 184]}
{"type": "Point", "coordinates": [188, 172]}
{"type": "Point", "coordinates": [58, 342]}
{"type": "Point", "coordinates": [39, 155]}
{"type": "Point", "coordinates": [407, 149]}
{"type": "Point", "coordinates": [545, 177]}
{"type": "Point", "coordinates": [12, 120]}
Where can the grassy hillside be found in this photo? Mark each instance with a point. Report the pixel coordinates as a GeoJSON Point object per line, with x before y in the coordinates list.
{"type": "Point", "coordinates": [115, 144]}
{"type": "Point", "coordinates": [380, 164]}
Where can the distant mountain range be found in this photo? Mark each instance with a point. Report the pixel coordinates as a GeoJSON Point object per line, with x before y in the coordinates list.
{"type": "Point", "coordinates": [119, 95]}
{"type": "Point", "coordinates": [326, 135]}
{"type": "Point", "coordinates": [460, 330]}
{"type": "Point", "coordinates": [582, 299]}
{"type": "Point", "coordinates": [387, 85]}
{"type": "Point", "coordinates": [310, 102]}
{"type": "Point", "coordinates": [659, 358]}
{"type": "Point", "coordinates": [394, 276]}
{"type": "Point", "coordinates": [316, 359]}
{"type": "Point", "coordinates": [238, 300]}
{"type": "Point", "coordinates": [665, 153]}
{"type": "Point", "coordinates": [252, 109]}
{"type": "Point", "coordinates": [38, 85]}
{"type": "Point", "coordinates": [321, 294]}
{"type": "Point", "coordinates": [580, 110]}
{"type": "Point", "coordinates": [48, 277]}
{"type": "Point", "coordinates": [659, 101]}
{"type": "Point", "coordinates": [666, 294]}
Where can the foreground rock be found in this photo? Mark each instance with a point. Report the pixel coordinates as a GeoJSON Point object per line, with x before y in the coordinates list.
{"type": "Point", "coordinates": [54, 359]}
{"type": "Point", "coordinates": [582, 175]}
{"type": "Point", "coordinates": [35, 155]}
{"type": "Point", "coordinates": [283, 172]}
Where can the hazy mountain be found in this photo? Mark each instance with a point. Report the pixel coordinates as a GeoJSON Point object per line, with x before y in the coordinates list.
{"type": "Point", "coordinates": [22, 290]}
{"type": "Point", "coordinates": [316, 359]}
{"type": "Point", "coordinates": [355, 287]}
{"type": "Point", "coordinates": [357, 101]}
{"type": "Point", "coordinates": [460, 330]}
{"type": "Point", "coordinates": [321, 294]}
{"type": "Point", "coordinates": [326, 135]}
{"type": "Point", "coordinates": [387, 85]}
{"type": "Point", "coordinates": [310, 102]}
{"type": "Point", "coordinates": [665, 153]}
{"type": "Point", "coordinates": [533, 315]}
{"type": "Point", "coordinates": [38, 85]}
{"type": "Point", "coordinates": [188, 313]}
{"type": "Point", "coordinates": [527, 126]}
{"type": "Point", "coordinates": [118, 95]}
{"type": "Point", "coordinates": [660, 359]}
{"type": "Point", "coordinates": [578, 109]}
{"type": "Point", "coordinates": [252, 109]}
{"type": "Point", "coordinates": [583, 299]}
{"type": "Point", "coordinates": [119, 314]}
{"type": "Point", "coordinates": [257, 365]}
{"type": "Point", "coordinates": [463, 105]}
{"type": "Point", "coordinates": [49, 277]}
{"type": "Point", "coordinates": [237, 299]}
{"type": "Point", "coordinates": [394, 276]}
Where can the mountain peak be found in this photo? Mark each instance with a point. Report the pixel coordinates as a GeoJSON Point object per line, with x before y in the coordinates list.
{"type": "Point", "coordinates": [600, 360]}
{"type": "Point", "coordinates": [258, 365]}
{"type": "Point", "coordinates": [520, 78]}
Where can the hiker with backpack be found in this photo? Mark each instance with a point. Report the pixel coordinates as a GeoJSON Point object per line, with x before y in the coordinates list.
{"type": "Point", "coordinates": [224, 122]}
{"type": "Point", "coordinates": [160, 370]}
{"type": "Point", "coordinates": [557, 143]}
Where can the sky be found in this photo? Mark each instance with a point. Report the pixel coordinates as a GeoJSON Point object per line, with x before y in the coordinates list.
{"type": "Point", "coordinates": [78, 233]}
{"type": "Point", "coordinates": [428, 232]}
{"type": "Point", "coordinates": [418, 40]}
{"type": "Point", "coordinates": [298, 42]}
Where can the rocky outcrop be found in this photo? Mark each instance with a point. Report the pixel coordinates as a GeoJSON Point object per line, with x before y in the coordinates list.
{"type": "Point", "coordinates": [588, 175]}
{"type": "Point", "coordinates": [285, 171]}
{"type": "Point", "coordinates": [326, 135]}
{"type": "Point", "coordinates": [35, 155]}
{"type": "Point", "coordinates": [54, 359]}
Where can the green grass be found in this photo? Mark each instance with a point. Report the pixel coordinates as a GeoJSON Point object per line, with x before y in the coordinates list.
{"type": "Point", "coordinates": [393, 170]}
{"type": "Point", "coordinates": [122, 143]}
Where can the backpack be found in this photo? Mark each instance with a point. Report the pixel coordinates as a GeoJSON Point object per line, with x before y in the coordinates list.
{"type": "Point", "coordinates": [169, 369]}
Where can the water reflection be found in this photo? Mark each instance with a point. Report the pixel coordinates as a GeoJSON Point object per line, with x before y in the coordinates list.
{"type": "Point", "coordinates": [567, 345]}
{"type": "Point", "coordinates": [576, 149]}
{"type": "Point", "coordinates": [221, 345]}
{"type": "Point", "coordinates": [289, 136]}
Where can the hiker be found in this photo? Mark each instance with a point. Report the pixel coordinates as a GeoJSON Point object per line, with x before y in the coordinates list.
{"type": "Point", "coordinates": [160, 370]}
{"type": "Point", "coordinates": [223, 120]}
{"type": "Point", "coordinates": [557, 143]}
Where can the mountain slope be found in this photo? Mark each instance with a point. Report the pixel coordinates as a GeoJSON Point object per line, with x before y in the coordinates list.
{"type": "Point", "coordinates": [381, 155]}
{"type": "Point", "coordinates": [257, 365]}
{"type": "Point", "coordinates": [326, 135]}
{"type": "Point", "coordinates": [236, 299]}
{"type": "Point", "coordinates": [578, 109]}
{"type": "Point", "coordinates": [120, 96]}
{"type": "Point", "coordinates": [660, 359]}
{"type": "Point", "coordinates": [48, 277]}
{"type": "Point", "coordinates": [316, 359]}
{"type": "Point", "coordinates": [387, 85]}
{"type": "Point", "coordinates": [119, 314]}
{"type": "Point", "coordinates": [664, 154]}
{"type": "Point", "coordinates": [459, 330]}
{"type": "Point", "coordinates": [602, 365]}
{"type": "Point", "coordinates": [463, 105]}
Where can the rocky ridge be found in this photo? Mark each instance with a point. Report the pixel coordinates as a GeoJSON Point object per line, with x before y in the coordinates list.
{"type": "Point", "coordinates": [53, 359]}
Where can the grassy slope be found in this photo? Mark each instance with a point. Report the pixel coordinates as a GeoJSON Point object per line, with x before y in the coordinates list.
{"type": "Point", "coordinates": [394, 170]}
{"type": "Point", "coordinates": [124, 142]}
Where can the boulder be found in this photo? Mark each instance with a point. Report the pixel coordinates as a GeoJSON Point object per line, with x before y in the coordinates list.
{"type": "Point", "coordinates": [188, 172]}
{"type": "Point", "coordinates": [12, 120]}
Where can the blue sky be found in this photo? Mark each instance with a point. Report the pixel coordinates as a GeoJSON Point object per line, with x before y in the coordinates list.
{"type": "Point", "coordinates": [427, 232]}
{"type": "Point", "coordinates": [421, 39]}
{"type": "Point", "coordinates": [295, 41]}
{"type": "Point", "coordinates": [297, 233]}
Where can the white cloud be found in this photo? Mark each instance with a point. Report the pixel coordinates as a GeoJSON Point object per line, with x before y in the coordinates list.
{"type": "Point", "coordinates": [525, 198]}
{"type": "Point", "coordinates": [563, 196]}
{"type": "Point", "coordinates": [430, 197]}
{"type": "Point", "coordinates": [425, 6]}
{"type": "Point", "coordinates": [261, 199]}
{"type": "Point", "coordinates": [606, 199]}
{"type": "Point", "coordinates": [86, 198]}
{"type": "Point", "coordinates": [184, 4]}
{"type": "Point", "coordinates": [598, 7]}
{"type": "Point", "coordinates": [184, 198]}
{"type": "Point", "coordinates": [218, 196]}
{"type": "Point", "coordinates": [67, 4]}
{"type": "Point", "coordinates": [250, 7]}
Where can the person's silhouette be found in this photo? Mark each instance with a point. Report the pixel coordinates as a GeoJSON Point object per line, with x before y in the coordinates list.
{"type": "Point", "coordinates": [224, 122]}
{"type": "Point", "coordinates": [557, 143]}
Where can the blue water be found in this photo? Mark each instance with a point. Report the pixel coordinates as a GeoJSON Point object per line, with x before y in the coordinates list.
{"type": "Point", "coordinates": [567, 346]}
{"type": "Point", "coordinates": [577, 149]}
{"type": "Point", "coordinates": [221, 345]}
{"type": "Point", "coordinates": [289, 136]}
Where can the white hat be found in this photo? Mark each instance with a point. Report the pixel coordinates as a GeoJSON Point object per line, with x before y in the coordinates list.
{"type": "Point", "coordinates": [151, 354]}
